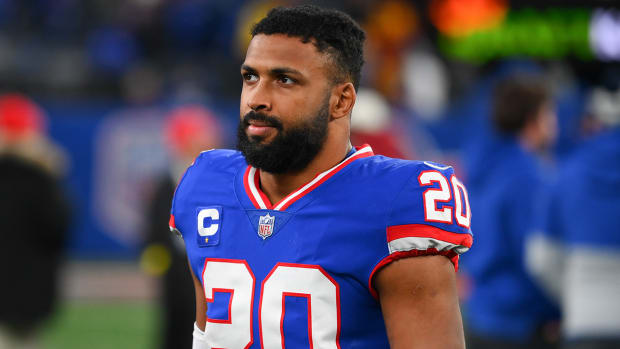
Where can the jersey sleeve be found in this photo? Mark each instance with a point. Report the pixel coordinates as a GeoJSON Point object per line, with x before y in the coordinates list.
{"type": "Point", "coordinates": [179, 192]}
{"type": "Point", "coordinates": [430, 215]}
{"type": "Point", "coordinates": [171, 222]}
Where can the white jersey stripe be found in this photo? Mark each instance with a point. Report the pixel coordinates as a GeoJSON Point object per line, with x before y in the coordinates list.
{"type": "Point", "coordinates": [254, 190]}
{"type": "Point", "coordinates": [422, 244]}
{"type": "Point", "coordinates": [441, 168]}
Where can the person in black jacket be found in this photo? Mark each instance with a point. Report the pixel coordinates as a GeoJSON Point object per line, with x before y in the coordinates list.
{"type": "Point", "coordinates": [34, 218]}
{"type": "Point", "coordinates": [188, 131]}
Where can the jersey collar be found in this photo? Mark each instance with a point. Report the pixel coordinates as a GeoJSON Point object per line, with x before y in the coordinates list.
{"type": "Point", "coordinates": [251, 182]}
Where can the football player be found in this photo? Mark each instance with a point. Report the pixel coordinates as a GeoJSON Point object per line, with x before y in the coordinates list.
{"type": "Point", "coordinates": [301, 240]}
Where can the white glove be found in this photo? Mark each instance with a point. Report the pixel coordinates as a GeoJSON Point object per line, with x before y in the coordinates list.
{"type": "Point", "coordinates": [200, 342]}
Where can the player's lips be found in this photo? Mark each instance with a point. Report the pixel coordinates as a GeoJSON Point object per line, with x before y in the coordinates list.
{"type": "Point", "coordinates": [259, 128]}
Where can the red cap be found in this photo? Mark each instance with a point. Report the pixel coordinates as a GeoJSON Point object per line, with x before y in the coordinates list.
{"type": "Point", "coordinates": [189, 124]}
{"type": "Point", "coordinates": [20, 116]}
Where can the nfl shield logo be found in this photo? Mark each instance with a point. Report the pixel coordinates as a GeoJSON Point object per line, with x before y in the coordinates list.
{"type": "Point", "coordinates": [265, 226]}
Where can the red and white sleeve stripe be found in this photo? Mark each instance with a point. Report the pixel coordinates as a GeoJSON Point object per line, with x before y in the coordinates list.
{"type": "Point", "coordinates": [411, 240]}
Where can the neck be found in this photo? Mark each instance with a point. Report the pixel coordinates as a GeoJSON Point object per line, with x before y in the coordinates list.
{"type": "Point", "coordinates": [278, 186]}
{"type": "Point", "coordinates": [529, 140]}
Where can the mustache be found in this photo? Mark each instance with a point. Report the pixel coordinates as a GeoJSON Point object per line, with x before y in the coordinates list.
{"type": "Point", "coordinates": [269, 120]}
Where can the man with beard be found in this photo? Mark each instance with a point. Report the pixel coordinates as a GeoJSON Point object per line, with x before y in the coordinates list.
{"type": "Point", "coordinates": [301, 240]}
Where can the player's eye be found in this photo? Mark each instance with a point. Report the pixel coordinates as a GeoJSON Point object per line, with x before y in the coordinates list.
{"type": "Point", "coordinates": [286, 80]}
{"type": "Point", "coordinates": [249, 77]}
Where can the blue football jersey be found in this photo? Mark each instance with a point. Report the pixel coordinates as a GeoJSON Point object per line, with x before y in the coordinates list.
{"type": "Point", "coordinates": [298, 273]}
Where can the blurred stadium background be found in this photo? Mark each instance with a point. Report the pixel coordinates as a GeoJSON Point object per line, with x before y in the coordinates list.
{"type": "Point", "coordinates": [107, 73]}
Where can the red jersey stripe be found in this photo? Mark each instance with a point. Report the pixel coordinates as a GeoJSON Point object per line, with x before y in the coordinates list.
{"type": "Point", "coordinates": [171, 222]}
{"type": "Point", "coordinates": [247, 184]}
{"type": "Point", "coordinates": [251, 182]}
{"type": "Point", "coordinates": [427, 231]}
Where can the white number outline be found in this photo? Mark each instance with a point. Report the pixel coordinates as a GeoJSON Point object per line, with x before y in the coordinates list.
{"type": "Point", "coordinates": [453, 189]}
{"type": "Point", "coordinates": [462, 220]}
{"type": "Point", "coordinates": [284, 294]}
{"type": "Point", "coordinates": [229, 321]}
{"type": "Point", "coordinates": [230, 291]}
{"type": "Point", "coordinates": [434, 195]}
{"type": "Point", "coordinates": [307, 295]}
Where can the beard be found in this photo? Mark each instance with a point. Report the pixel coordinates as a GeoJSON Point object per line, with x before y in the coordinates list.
{"type": "Point", "coordinates": [291, 150]}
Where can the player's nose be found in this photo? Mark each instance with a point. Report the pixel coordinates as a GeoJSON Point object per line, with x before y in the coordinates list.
{"type": "Point", "coordinates": [258, 98]}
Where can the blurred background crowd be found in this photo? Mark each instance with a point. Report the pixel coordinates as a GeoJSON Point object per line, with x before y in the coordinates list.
{"type": "Point", "coordinates": [104, 103]}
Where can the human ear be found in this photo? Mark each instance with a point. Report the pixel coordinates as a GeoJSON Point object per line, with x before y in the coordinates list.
{"type": "Point", "coordinates": [342, 100]}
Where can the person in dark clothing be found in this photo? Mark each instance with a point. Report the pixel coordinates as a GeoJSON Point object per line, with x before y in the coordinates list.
{"type": "Point", "coordinates": [33, 221]}
{"type": "Point", "coordinates": [34, 218]}
{"type": "Point", "coordinates": [188, 131]}
{"type": "Point", "coordinates": [168, 256]}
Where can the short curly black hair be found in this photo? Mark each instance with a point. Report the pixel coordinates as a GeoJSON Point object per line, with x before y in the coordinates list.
{"type": "Point", "coordinates": [329, 30]}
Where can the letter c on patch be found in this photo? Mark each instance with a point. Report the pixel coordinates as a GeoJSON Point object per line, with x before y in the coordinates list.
{"type": "Point", "coordinates": [212, 213]}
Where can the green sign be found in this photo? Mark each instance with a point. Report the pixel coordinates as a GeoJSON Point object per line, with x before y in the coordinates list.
{"type": "Point", "coordinates": [546, 34]}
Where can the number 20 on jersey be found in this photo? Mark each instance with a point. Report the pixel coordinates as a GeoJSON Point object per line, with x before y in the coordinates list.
{"type": "Point", "coordinates": [444, 194]}
{"type": "Point", "coordinates": [285, 280]}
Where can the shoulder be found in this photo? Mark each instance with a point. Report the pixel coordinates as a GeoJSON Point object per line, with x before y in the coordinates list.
{"type": "Point", "coordinates": [405, 186]}
{"type": "Point", "coordinates": [219, 159]}
{"type": "Point", "coordinates": [211, 175]}
{"type": "Point", "coordinates": [423, 195]}
{"type": "Point", "coordinates": [428, 212]}
{"type": "Point", "coordinates": [391, 183]}
{"type": "Point", "coordinates": [214, 162]}
{"type": "Point", "coordinates": [517, 177]}
{"type": "Point", "coordinates": [211, 169]}
{"type": "Point", "coordinates": [395, 172]}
